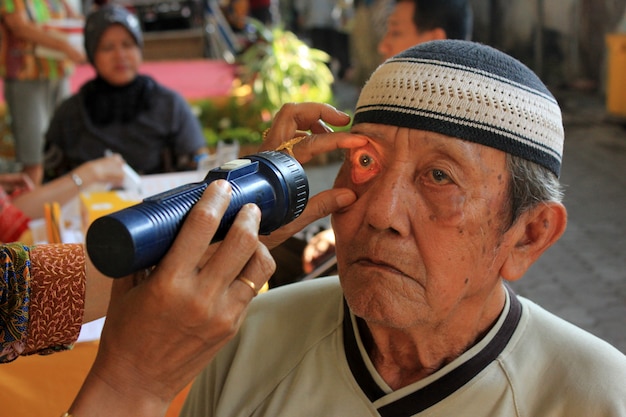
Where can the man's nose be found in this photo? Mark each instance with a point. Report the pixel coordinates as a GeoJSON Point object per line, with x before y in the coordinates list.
{"type": "Point", "coordinates": [389, 204]}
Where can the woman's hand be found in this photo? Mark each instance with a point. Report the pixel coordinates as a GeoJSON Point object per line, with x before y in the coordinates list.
{"type": "Point", "coordinates": [105, 170]}
{"type": "Point", "coordinates": [311, 120]}
{"type": "Point", "coordinates": [294, 120]}
{"type": "Point", "coordinates": [161, 332]}
{"type": "Point", "coordinates": [16, 182]}
{"type": "Point", "coordinates": [72, 53]}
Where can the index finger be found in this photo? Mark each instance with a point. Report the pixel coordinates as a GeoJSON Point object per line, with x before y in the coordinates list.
{"type": "Point", "coordinates": [312, 145]}
{"type": "Point", "coordinates": [293, 117]}
{"type": "Point", "coordinates": [198, 228]}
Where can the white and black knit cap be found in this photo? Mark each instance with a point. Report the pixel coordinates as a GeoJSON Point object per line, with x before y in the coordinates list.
{"type": "Point", "coordinates": [100, 20]}
{"type": "Point", "coordinates": [469, 91]}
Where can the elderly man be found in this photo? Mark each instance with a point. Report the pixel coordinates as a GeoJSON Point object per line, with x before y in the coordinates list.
{"type": "Point", "coordinates": [457, 192]}
{"type": "Point", "coordinates": [412, 22]}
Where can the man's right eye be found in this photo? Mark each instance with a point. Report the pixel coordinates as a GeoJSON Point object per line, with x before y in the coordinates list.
{"type": "Point", "coordinates": [364, 166]}
{"type": "Point", "coordinates": [365, 160]}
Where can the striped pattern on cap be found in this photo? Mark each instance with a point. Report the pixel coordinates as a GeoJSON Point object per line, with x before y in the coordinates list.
{"type": "Point", "coordinates": [469, 91]}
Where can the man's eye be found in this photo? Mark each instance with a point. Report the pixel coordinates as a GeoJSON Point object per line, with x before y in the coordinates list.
{"type": "Point", "coordinates": [365, 167]}
{"type": "Point", "coordinates": [365, 160]}
{"type": "Point", "coordinates": [440, 176]}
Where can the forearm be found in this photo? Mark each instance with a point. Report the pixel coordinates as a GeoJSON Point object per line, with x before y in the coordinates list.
{"type": "Point", "coordinates": [28, 31]}
{"type": "Point", "coordinates": [97, 294]}
{"type": "Point", "coordinates": [101, 398]}
{"type": "Point", "coordinates": [60, 190]}
{"type": "Point", "coordinates": [23, 28]}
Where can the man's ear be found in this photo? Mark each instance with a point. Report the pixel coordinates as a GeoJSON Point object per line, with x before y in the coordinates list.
{"type": "Point", "coordinates": [534, 232]}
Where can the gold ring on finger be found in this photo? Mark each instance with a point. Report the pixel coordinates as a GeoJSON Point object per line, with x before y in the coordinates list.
{"type": "Point", "coordinates": [250, 284]}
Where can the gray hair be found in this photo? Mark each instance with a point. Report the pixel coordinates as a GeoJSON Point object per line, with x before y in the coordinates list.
{"type": "Point", "coordinates": [531, 184]}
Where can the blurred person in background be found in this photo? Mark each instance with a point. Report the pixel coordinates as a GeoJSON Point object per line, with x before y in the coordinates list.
{"type": "Point", "coordinates": [263, 11]}
{"type": "Point", "coordinates": [121, 111]}
{"type": "Point", "coordinates": [324, 31]}
{"type": "Point", "coordinates": [416, 21]}
{"type": "Point", "coordinates": [368, 28]}
{"type": "Point", "coordinates": [36, 80]}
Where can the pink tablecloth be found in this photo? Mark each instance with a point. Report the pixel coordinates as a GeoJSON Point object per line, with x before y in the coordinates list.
{"type": "Point", "coordinates": [194, 79]}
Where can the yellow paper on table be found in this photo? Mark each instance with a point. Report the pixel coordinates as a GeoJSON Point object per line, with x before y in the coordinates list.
{"type": "Point", "coordinates": [100, 203]}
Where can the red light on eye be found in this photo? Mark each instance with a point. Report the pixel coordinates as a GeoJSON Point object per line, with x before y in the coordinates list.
{"type": "Point", "coordinates": [364, 166]}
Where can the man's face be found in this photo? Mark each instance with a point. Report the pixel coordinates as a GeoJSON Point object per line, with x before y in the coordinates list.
{"type": "Point", "coordinates": [423, 243]}
{"type": "Point", "coordinates": [117, 56]}
{"type": "Point", "coordinates": [401, 31]}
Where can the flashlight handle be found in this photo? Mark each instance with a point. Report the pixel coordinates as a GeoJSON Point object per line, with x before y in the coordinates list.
{"type": "Point", "coordinates": [139, 236]}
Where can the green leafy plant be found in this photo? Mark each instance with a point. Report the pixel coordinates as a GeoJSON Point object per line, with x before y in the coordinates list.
{"type": "Point", "coordinates": [275, 69]}
{"type": "Point", "coordinates": [281, 68]}
{"type": "Point", "coordinates": [234, 119]}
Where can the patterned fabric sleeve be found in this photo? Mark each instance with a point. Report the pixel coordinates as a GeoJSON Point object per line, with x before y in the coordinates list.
{"type": "Point", "coordinates": [58, 297]}
{"type": "Point", "coordinates": [14, 300]}
{"type": "Point", "coordinates": [41, 298]}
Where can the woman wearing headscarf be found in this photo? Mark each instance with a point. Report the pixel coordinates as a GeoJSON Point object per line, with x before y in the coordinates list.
{"type": "Point", "coordinates": [151, 126]}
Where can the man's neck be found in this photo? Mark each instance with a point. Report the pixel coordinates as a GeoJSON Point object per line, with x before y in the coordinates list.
{"type": "Point", "coordinates": [404, 356]}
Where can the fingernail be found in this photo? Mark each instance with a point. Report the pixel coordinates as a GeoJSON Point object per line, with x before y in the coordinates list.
{"type": "Point", "coordinates": [252, 208]}
{"type": "Point", "coordinates": [326, 127]}
{"type": "Point", "coordinates": [224, 185]}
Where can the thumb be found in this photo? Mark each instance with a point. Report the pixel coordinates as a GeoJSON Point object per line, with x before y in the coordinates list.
{"type": "Point", "coordinates": [318, 207]}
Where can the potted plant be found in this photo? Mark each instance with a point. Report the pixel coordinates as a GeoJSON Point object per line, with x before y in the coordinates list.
{"type": "Point", "coordinates": [280, 68]}
{"type": "Point", "coordinates": [276, 68]}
